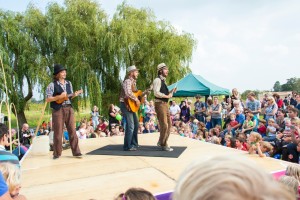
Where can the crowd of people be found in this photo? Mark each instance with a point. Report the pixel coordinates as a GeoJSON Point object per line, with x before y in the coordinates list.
{"type": "Point", "coordinates": [269, 127]}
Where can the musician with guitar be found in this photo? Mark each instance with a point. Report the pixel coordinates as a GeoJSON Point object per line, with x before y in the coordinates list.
{"type": "Point", "coordinates": [129, 104]}
{"type": "Point", "coordinates": [59, 94]}
{"type": "Point", "coordinates": [162, 95]}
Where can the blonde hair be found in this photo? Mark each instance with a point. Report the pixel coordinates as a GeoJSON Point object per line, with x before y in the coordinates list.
{"type": "Point", "coordinates": [256, 136]}
{"type": "Point", "coordinates": [11, 174]}
{"type": "Point", "coordinates": [267, 145]}
{"type": "Point", "coordinates": [271, 120]}
{"type": "Point", "coordinates": [228, 178]}
{"type": "Point", "coordinates": [272, 99]}
{"type": "Point", "coordinates": [291, 183]}
{"type": "Point", "coordinates": [293, 170]}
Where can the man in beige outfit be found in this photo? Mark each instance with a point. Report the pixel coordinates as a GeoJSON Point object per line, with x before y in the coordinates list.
{"type": "Point", "coordinates": [162, 95]}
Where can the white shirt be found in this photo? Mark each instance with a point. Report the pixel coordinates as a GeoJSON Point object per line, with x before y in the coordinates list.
{"type": "Point", "coordinates": [174, 109]}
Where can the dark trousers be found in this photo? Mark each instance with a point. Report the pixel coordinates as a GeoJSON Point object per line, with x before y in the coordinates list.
{"type": "Point", "coordinates": [164, 120]}
{"type": "Point", "coordinates": [131, 128]}
{"type": "Point", "coordinates": [64, 115]}
{"type": "Point", "coordinates": [216, 121]}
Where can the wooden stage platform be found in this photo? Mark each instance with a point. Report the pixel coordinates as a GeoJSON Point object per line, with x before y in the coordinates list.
{"type": "Point", "coordinates": [104, 177]}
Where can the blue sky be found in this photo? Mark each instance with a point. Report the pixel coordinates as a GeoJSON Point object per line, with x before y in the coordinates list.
{"type": "Point", "coordinates": [247, 44]}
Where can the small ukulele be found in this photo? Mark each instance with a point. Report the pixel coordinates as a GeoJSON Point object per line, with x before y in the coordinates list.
{"type": "Point", "coordinates": [60, 101]}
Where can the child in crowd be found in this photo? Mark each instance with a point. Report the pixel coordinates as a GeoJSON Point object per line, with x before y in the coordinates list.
{"type": "Point", "coordinates": [174, 130]}
{"type": "Point", "coordinates": [141, 128]}
{"type": "Point", "coordinates": [291, 183]}
{"type": "Point", "coordinates": [102, 128]}
{"type": "Point", "coordinates": [82, 132]}
{"type": "Point", "coordinates": [202, 127]}
{"type": "Point", "coordinates": [147, 128]}
{"type": "Point", "coordinates": [248, 124]}
{"type": "Point", "coordinates": [294, 171]}
{"type": "Point", "coordinates": [188, 132]}
{"type": "Point", "coordinates": [227, 140]}
{"type": "Point", "coordinates": [264, 149]}
{"type": "Point", "coordinates": [288, 124]}
{"type": "Point", "coordinates": [271, 131]}
{"type": "Point", "coordinates": [200, 135]}
{"type": "Point", "coordinates": [253, 139]}
{"type": "Point", "coordinates": [11, 174]}
{"type": "Point", "coordinates": [208, 124]}
{"type": "Point", "coordinates": [194, 126]}
{"type": "Point", "coordinates": [121, 130]}
{"type": "Point", "coordinates": [262, 129]}
{"type": "Point", "coordinates": [233, 121]}
{"type": "Point", "coordinates": [136, 194]}
{"type": "Point", "coordinates": [240, 144]}
{"type": "Point", "coordinates": [115, 131]}
{"type": "Point", "coordinates": [152, 125]}
{"type": "Point", "coordinates": [215, 140]}
{"type": "Point", "coordinates": [177, 124]}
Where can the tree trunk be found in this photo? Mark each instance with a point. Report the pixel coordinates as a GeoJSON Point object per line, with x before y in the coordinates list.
{"type": "Point", "coordinates": [21, 118]}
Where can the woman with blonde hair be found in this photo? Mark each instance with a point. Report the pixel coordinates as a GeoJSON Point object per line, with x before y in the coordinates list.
{"type": "Point", "coordinates": [228, 178]}
{"type": "Point", "coordinates": [271, 109]}
{"type": "Point", "coordinates": [12, 175]}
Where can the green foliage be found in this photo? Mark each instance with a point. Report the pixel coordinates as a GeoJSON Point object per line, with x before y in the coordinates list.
{"type": "Point", "coordinates": [292, 84]}
{"type": "Point", "coordinates": [277, 87]}
{"type": "Point", "coordinates": [245, 93]}
{"type": "Point", "coordinates": [95, 50]}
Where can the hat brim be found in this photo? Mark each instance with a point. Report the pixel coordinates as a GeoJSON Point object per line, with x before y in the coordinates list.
{"type": "Point", "coordinates": [133, 70]}
{"type": "Point", "coordinates": [59, 71]}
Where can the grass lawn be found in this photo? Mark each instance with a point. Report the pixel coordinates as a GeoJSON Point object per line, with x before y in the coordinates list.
{"type": "Point", "coordinates": [34, 111]}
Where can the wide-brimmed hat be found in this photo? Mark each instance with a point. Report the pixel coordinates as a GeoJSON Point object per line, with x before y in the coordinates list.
{"type": "Point", "coordinates": [160, 66]}
{"type": "Point", "coordinates": [58, 68]}
{"type": "Point", "coordinates": [131, 68]}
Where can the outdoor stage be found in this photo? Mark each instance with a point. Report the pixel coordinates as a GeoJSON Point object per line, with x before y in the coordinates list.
{"type": "Point", "coordinates": [105, 176]}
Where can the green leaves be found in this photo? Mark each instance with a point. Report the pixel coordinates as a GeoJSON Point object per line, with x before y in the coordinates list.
{"type": "Point", "coordinates": [94, 49]}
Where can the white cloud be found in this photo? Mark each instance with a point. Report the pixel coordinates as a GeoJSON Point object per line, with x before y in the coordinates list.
{"type": "Point", "coordinates": [277, 49]}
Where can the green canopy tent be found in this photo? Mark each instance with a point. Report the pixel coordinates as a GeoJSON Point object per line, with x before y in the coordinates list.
{"type": "Point", "coordinates": [192, 84]}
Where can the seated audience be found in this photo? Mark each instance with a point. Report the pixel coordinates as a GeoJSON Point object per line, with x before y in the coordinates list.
{"type": "Point", "coordinates": [6, 156]}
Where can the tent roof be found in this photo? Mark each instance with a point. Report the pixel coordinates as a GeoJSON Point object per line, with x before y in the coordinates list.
{"type": "Point", "coordinates": [192, 84]}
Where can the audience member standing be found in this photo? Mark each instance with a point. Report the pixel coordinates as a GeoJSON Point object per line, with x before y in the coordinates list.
{"type": "Point", "coordinates": [95, 117]}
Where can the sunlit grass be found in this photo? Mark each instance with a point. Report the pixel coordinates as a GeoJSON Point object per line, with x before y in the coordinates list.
{"type": "Point", "coordinates": [34, 111]}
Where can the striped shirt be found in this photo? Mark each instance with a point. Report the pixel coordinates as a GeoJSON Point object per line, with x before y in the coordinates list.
{"type": "Point", "coordinates": [6, 156]}
{"type": "Point", "coordinates": [128, 87]}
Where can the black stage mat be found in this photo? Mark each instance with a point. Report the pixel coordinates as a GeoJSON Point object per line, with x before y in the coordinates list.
{"type": "Point", "coordinates": [150, 151]}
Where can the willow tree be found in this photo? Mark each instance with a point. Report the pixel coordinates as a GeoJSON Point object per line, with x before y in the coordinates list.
{"type": "Point", "coordinates": [95, 50]}
{"type": "Point", "coordinates": [72, 35]}
{"type": "Point", "coordinates": [144, 41]}
{"type": "Point", "coordinates": [20, 59]}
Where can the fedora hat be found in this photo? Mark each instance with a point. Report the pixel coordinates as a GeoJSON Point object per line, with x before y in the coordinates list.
{"type": "Point", "coordinates": [131, 68]}
{"type": "Point", "coordinates": [58, 68]}
{"type": "Point", "coordinates": [160, 66]}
